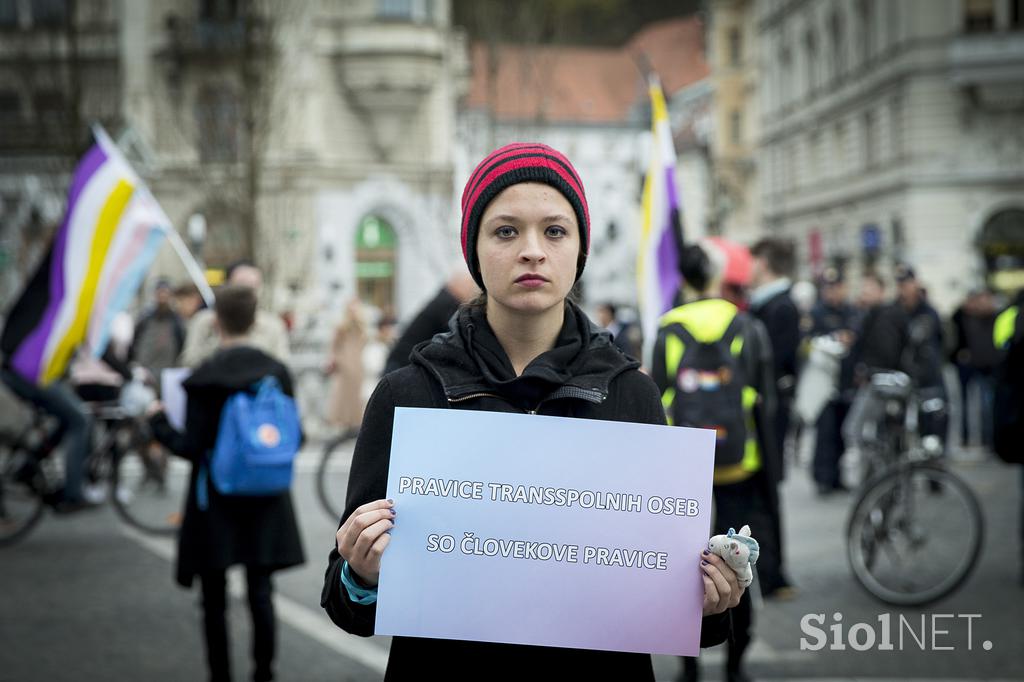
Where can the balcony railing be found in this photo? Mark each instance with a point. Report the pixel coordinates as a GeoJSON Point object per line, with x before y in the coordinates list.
{"type": "Point", "coordinates": [987, 58]}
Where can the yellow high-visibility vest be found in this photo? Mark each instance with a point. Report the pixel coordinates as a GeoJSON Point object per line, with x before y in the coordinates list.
{"type": "Point", "coordinates": [707, 320]}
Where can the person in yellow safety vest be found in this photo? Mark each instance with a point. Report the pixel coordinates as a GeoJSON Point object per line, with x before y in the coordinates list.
{"type": "Point", "coordinates": [713, 366]}
{"type": "Point", "coordinates": [1005, 326]}
{"type": "Point", "coordinates": [1008, 335]}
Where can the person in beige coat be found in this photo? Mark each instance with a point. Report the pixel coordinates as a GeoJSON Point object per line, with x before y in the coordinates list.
{"type": "Point", "coordinates": [268, 333]}
{"type": "Point", "coordinates": [345, 402]}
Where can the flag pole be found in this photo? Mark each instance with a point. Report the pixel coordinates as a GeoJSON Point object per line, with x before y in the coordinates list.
{"type": "Point", "coordinates": [191, 266]}
{"type": "Point", "coordinates": [186, 257]}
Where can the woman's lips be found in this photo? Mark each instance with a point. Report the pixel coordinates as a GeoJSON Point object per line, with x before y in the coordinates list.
{"type": "Point", "coordinates": [531, 281]}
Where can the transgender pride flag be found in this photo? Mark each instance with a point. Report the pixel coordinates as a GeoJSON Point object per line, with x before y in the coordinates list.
{"type": "Point", "coordinates": [657, 269]}
{"type": "Point", "coordinates": [110, 234]}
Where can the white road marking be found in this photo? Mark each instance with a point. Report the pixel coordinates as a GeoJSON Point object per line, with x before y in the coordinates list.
{"type": "Point", "coordinates": [311, 623]}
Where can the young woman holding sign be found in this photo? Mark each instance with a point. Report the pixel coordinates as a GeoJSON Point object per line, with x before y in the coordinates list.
{"type": "Point", "coordinates": [525, 347]}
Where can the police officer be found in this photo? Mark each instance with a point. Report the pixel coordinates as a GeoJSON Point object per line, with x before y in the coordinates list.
{"type": "Point", "coordinates": [833, 315]}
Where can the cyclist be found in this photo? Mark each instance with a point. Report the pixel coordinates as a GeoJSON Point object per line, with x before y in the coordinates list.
{"type": "Point", "coordinates": [74, 431]}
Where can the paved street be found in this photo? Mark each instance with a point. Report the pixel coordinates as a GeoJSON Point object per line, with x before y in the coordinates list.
{"type": "Point", "coordinates": [87, 599]}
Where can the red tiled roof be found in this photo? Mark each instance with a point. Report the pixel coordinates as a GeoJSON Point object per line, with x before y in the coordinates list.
{"type": "Point", "coordinates": [584, 84]}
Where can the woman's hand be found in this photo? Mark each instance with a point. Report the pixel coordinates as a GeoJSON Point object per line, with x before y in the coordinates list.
{"type": "Point", "coordinates": [154, 408]}
{"type": "Point", "coordinates": [364, 536]}
{"type": "Point", "coordinates": [721, 588]}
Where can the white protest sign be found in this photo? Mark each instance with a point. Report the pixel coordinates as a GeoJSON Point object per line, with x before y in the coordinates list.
{"type": "Point", "coordinates": [173, 395]}
{"type": "Point", "coordinates": [550, 531]}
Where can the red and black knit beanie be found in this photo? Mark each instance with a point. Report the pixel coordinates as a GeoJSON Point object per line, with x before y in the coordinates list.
{"type": "Point", "coordinates": [511, 165]}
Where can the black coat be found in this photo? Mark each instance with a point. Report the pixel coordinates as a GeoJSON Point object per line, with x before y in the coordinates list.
{"type": "Point", "coordinates": [252, 531]}
{"type": "Point", "coordinates": [782, 320]}
{"type": "Point", "coordinates": [431, 319]}
{"type": "Point", "coordinates": [584, 376]}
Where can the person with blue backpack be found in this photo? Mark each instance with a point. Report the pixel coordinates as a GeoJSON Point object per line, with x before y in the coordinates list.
{"type": "Point", "coordinates": [241, 434]}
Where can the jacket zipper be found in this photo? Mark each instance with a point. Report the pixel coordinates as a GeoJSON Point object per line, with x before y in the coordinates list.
{"type": "Point", "coordinates": [592, 396]}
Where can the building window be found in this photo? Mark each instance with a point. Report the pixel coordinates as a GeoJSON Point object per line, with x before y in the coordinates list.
{"type": "Point", "coordinates": [1016, 14]}
{"type": "Point", "coordinates": [979, 16]}
{"type": "Point", "coordinates": [419, 11]}
{"type": "Point", "coordinates": [870, 140]}
{"type": "Point", "coordinates": [49, 12]}
{"type": "Point", "coordinates": [896, 127]}
{"type": "Point", "coordinates": [735, 47]}
{"type": "Point", "coordinates": [838, 46]}
{"type": "Point", "coordinates": [219, 125]}
{"type": "Point", "coordinates": [50, 111]}
{"type": "Point", "coordinates": [736, 127]}
{"type": "Point", "coordinates": [839, 145]}
{"type": "Point", "coordinates": [9, 13]}
{"type": "Point", "coordinates": [811, 46]}
{"type": "Point", "coordinates": [786, 75]}
{"type": "Point", "coordinates": [219, 10]}
{"type": "Point", "coordinates": [375, 262]}
{"type": "Point", "coordinates": [792, 176]}
{"type": "Point", "coordinates": [867, 30]}
{"type": "Point", "coordinates": [10, 107]}
{"type": "Point", "coordinates": [815, 170]}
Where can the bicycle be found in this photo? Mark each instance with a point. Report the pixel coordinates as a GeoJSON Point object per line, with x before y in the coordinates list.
{"type": "Point", "coordinates": [915, 530]}
{"type": "Point", "coordinates": [331, 471]}
{"type": "Point", "coordinates": [145, 490]}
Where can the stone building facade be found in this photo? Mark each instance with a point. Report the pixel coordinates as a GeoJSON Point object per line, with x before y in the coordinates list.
{"type": "Point", "coordinates": [891, 130]}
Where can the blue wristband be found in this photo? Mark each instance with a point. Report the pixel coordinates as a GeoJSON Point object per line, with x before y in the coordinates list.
{"type": "Point", "coordinates": [360, 595]}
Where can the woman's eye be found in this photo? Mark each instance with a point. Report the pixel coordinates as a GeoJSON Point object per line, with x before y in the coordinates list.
{"type": "Point", "coordinates": [555, 231]}
{"type": "Point", "coordinates": [505, 232]}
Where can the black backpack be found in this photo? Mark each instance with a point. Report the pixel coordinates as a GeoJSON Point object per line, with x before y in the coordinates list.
{"type": "Point", "coordinates": [709, 390]}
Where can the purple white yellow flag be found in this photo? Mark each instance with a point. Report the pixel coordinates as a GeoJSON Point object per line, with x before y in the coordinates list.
{"type": "Point", "coordinates": [658, 277]}
{"type": "Point", "coordinates": [109, 237]}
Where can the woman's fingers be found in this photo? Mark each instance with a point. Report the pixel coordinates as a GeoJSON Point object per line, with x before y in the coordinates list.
{"type": "Point", "coordinates": [368, 537]}
{"type": "Point", "coordinates": [361, 519]}
{"type": "Point", "coordinates": [725, 581]}
{"type": "Point", "coordinates": [722, 588]}
{"type": "Point", "coordinates": [711, 599]}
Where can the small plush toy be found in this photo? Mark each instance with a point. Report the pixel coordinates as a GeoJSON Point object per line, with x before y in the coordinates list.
{"type": "Point", "coordinates": [739, 550]}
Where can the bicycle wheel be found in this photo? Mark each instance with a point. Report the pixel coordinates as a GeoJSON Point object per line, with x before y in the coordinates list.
{"type": "Point", "coordinates": [148, 489]}
{"type": "Point", "coordinates": [332, 474]}
{"type": "Point", "coordinates": [21, 485]}
{"type": "Point", "coordinates": [914, 535]}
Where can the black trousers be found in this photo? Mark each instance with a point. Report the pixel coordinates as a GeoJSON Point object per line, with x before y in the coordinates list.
{"type": "Point", "coordinates": [736, 505]}
{"type": "Point", "coordinates": [829, 443]}
{"type": "Point", "coordinates": [215, 628]}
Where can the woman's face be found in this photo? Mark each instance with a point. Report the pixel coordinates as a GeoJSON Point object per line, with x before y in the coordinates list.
{"type": "Point", "coordinates": [528, 245]}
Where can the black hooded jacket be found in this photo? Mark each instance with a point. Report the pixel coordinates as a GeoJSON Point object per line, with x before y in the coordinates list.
{"type": "Point", "coordinates": [251, 531]}
{"type": "Point", "coordinates": [584, 376]}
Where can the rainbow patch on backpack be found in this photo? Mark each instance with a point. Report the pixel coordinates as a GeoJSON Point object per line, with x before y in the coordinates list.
{"type": "Point", "coordinates": [693, 380]}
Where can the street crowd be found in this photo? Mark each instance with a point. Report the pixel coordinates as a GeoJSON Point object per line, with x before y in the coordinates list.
{"type": "Point", "coordinates": [507, 334]}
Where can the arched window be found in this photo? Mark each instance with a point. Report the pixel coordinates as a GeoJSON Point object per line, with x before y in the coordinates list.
{"type": "Point", "coordinates": [1001, 243]}
{"type": "Point", "coordinates": [375, 262]}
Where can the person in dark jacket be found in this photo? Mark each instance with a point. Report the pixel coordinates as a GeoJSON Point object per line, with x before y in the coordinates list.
{"type": "Point", "coordinates": [220, 531]}
{"type": "Point", "coordinates": [523, 348]}
{"type": "Point", "coordinates": [160, 333]}
{"type": "Point", "coordinates": [976, 358]}
{"type": "Point", "coordinates": [833, 316]}
{"type": "Point", "coordinates": [770, 302]}
{"type": "Point", "coordinates": [432, 318]}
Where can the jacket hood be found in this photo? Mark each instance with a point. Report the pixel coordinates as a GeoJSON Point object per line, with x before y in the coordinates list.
{"type": "Point", "coordinates": [469, 359]}
{"type": "Point", "coordinates": [232, 369]}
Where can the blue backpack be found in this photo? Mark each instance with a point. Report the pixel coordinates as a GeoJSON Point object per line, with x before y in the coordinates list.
{"type": "Point", "coordinates": [258, 438]}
